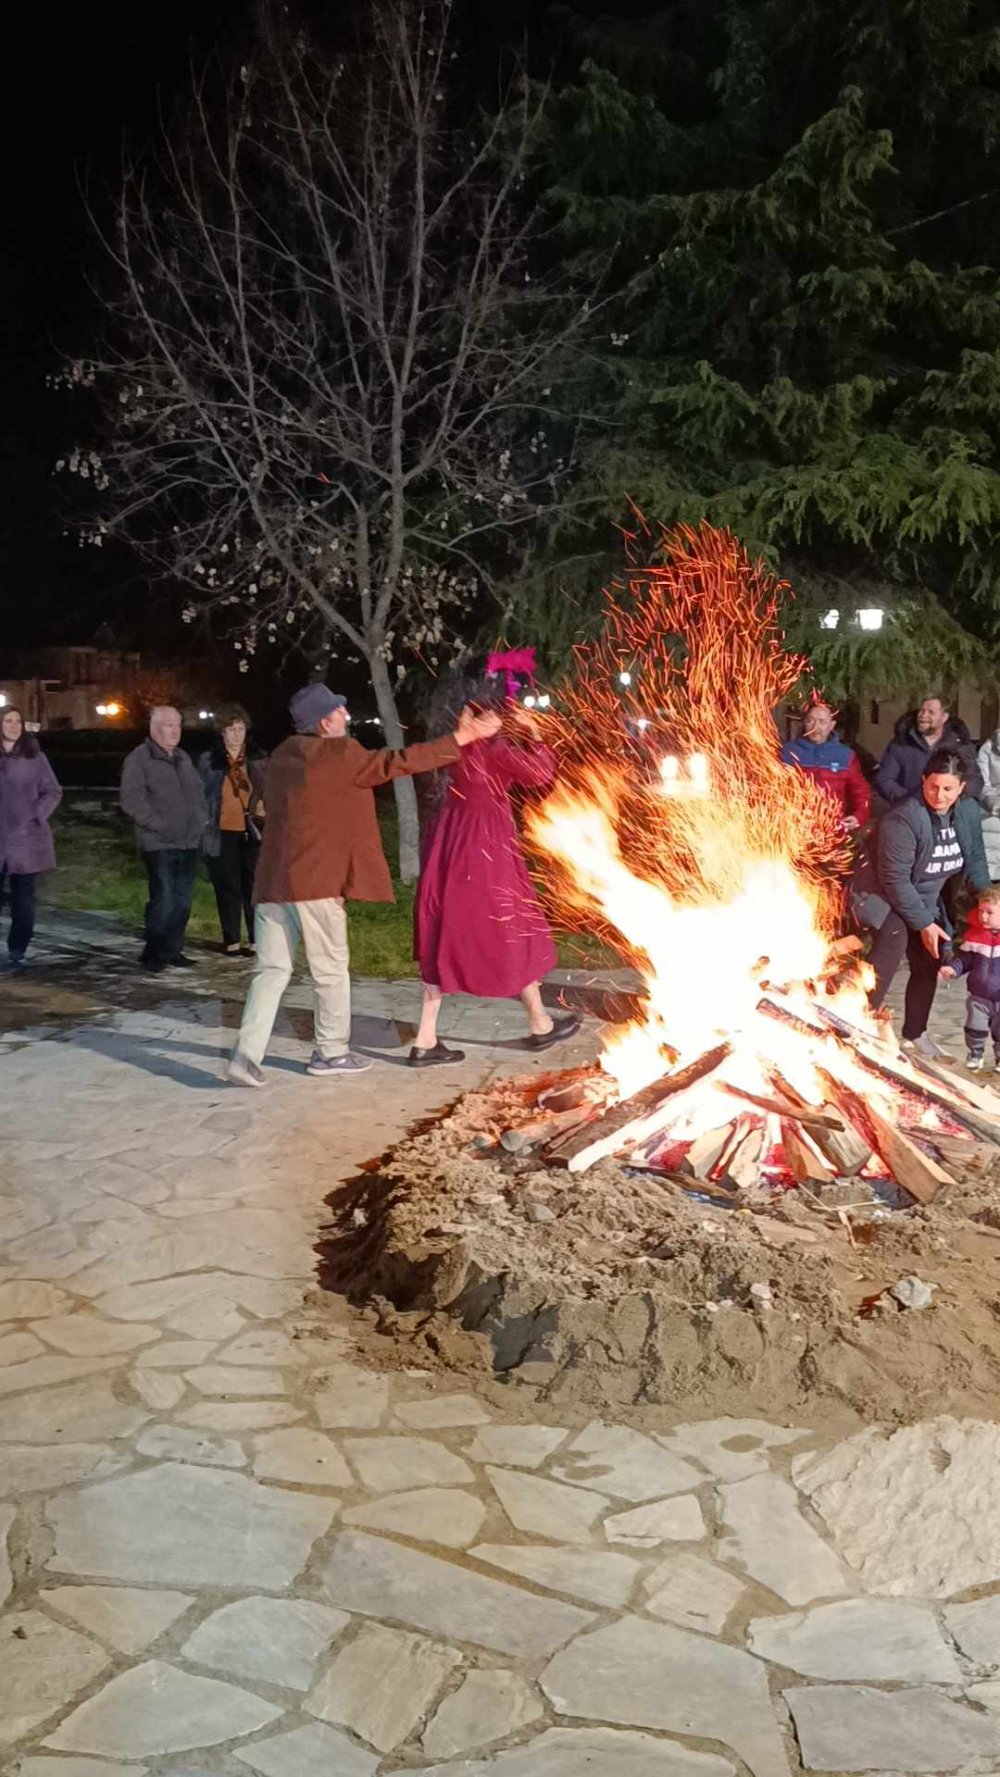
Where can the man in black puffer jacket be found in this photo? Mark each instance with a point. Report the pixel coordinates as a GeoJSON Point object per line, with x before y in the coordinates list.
{"type": "Point", "coordinates": [918, 736]}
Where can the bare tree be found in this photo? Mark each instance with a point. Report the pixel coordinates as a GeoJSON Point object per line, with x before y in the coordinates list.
{"type": "Point", "coordinates": [334, 329]}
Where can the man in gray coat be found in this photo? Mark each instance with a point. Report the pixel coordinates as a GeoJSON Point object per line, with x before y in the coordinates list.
{"type": "Point", "coordinates": [161, 792]}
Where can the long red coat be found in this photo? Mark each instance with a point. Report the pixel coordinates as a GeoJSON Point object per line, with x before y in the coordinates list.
{"type": "Point", "coordinates": [477, 924]}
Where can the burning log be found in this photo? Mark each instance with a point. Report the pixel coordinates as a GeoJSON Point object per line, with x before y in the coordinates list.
{"type": "Point", "coordinates": [845, 1148]}
{"type": "Point", "coordinates": [796, 1112]}
{"type": "Point", "coordinates": [706, 1149]}
{"type": "Point", "coordinates": [634, 1119]}
{"type": "Point", "coordinates": [741, 1165]}
{"type": "Point", "coordinates": [805, 1162]}
{"type": "Point", "coordinates": [957, 1107]}
{"type": "Point", "coordinates": [914, 1170]}
{"type": "Point", "coordinates": [545, 1129]}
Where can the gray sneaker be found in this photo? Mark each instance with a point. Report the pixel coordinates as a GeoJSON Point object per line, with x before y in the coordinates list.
{"type": "Point", "coordinates": [244, 1072]}
{"type": "Point", "coordinates": [926, 1047]}
{"type": "Point", "coordinates": [335, 1067]}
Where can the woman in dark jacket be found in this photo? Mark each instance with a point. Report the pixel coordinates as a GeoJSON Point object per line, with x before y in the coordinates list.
{"type": "Point", "coordinates": [921, 845]}
{"type": "Point", "coordinates": [29, 793]}
{"type": "Point", "coordinates": [232, 773]}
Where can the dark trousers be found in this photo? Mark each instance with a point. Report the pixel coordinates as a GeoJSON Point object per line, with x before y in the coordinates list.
{"type": "Point", "coordinates": [232, 874]}
{"type": "Point", "coordinates": [893, 941]}
{"type": "Point", "coordinates": [172, 876]}
{"type": "Point", "coordinates": [21, 890]}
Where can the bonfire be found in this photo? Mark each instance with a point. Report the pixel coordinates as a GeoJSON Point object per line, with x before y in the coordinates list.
{"type": "Point", "coordinates": [753, 1063]}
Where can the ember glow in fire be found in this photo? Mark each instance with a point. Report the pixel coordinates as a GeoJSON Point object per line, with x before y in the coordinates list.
{"type": "Point", "coordinates": [716, 869]}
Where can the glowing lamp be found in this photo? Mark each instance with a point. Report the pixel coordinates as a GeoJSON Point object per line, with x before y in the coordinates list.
{"type": "Point", "coordinates": [3, 700]}
{"type": "Point", "coordinates": [830, 619]}
{"type": "Point", "coordinates": [544, 701]}
{"type": "Point", "coordinates": [529, 702]}
{"type": "Point", "coordinates": [871, 618]}
{"type": "Point", "coordinates": [624, 678]}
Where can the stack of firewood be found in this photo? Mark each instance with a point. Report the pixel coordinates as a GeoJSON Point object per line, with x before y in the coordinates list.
{"type": "Point", "coordinates": [940, 1116]}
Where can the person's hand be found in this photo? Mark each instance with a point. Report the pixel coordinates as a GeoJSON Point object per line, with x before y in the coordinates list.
{"type": "Point", "coordinates": [851, 822]}
{"type": "Point", "coordinates": [947, 973]}
{"type": "Point", "coordinates": [522, 721]}
{"type": "Point", "coordinates": [473, 725]}
{"type": "Point", "coordinates": [932, 937]}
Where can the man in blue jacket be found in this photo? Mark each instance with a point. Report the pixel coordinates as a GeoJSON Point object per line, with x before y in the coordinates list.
{"type": "Point", "coordinates": [918, 736]}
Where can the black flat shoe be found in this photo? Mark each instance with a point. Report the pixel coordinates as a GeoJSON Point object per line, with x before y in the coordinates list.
{"type": "Point", "coordinates": [439, 1056]}
{"type": "Point", "coordinates": [562, 1030]}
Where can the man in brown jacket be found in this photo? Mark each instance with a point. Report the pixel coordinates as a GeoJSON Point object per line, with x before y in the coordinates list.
{"type": "Point", "coordinates": [321, 847]}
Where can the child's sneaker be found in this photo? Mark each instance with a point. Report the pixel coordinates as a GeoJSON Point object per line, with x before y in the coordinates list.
{"type": "Point", "coordinates": [976, 1063]}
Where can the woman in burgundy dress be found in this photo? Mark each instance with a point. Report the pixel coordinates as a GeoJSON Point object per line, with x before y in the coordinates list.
{"type": "Point", "coordinates": [478, 927]}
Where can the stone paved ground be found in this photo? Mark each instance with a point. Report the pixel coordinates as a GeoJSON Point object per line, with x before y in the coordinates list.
{"type": "Point", "coordinates": [229, 1548]}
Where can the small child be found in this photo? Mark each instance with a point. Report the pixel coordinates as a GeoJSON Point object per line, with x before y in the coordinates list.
{"type": "Point", "coordinates": [978, 956]}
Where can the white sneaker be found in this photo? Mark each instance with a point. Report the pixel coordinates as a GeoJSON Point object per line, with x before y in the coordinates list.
{"type": "Point", "coordinates": [244, 1072]}
{"type": "Point", "coordinates": [976, 1063]}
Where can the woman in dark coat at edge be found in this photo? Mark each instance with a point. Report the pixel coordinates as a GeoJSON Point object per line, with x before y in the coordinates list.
{"type": "Point", "coordinates": [232, 773]}
{"type": "Point", "coordinates": [29, 794]}
{"type": "Point", "coordinates": [478, 927]}
{"type": "Point", "coordinates": [920, 846]}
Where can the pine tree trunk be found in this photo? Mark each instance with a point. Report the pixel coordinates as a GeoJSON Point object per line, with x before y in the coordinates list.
{"type": "Point", "coordinates": [405, 793]}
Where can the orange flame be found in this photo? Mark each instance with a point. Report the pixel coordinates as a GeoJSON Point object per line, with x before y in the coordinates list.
{"type": "Point", "coordinates": [675, 827]}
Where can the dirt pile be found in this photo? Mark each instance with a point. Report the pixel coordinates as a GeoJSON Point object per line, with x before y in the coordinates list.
{"type": "Point", "coordinates": [613, 1289]}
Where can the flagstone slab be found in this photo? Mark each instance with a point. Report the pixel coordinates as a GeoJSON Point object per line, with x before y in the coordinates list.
{"type": "Point", "coordinates": [206, 1320]}
{"type": "Point", "coordinates": [693, 1593]}
{"type": "Point", "coordinates": [770, 1538]}
{"type": "Point", "coordinates": [160, 1389]}
{"type": "Point", "coordinates": [154, 1708]}
{"type": "Point", "coordinates": [7, 1515]}
{"type": "Point", "coordinates": [88, 1335]}
{"type": "Point", "coordinates": [442, 1410]}
{"type": "Point", "coordinates": [307, 1458]}
{"type": "Point", "coordinates": [264, 1345]}
{"type": "Point", "coordinates": [858, 1638]}
{"type": "Point", "coordinates": [181, 1443]}
{"type": "Point", "coordinates": [382, 1684]}
{"type": "Point", "coordinates": [487, 1706]}
{"type": "Point", "coordinates": [731, 1449]}
{"type": "Point", "coordinates": [426, 1515]}
{"type": "Point", "coordinates": [42, 1666]}
{"type": "Point", "coordinates": [651, 1675]}
{"type": "Point", "coordinates": [844, 1728]}
{"type": "Point", "coordinates": [313, 1751]}
{"type": "Point", "coordinates": [388, 1465]}
{"type": "Point", "coordinates": [188, 1526]}
{"type": "Point", "coordinates": [227, 1416]}
{"type": "Point", "coordinates": [592, 1574]}
{"type": "Point", "coordinates": [44, 1372]}
{"type": "Point", "coordinates": [676, 1520]}
{"type": "Point", "coordinates": [612, 1459]}
{"type": "Point", "coordinates": [976, 1628]}
{"type": "Point", "coordinates": [351, 1397]}
{"type": "Point", "coordinates": [44, 1468]}
{"type": "Point", "coordinates": [81, 1412]}
{"type": "Point", "coordinates": [277, 1640]}
{"type": "Point", "coordinates": [127, 1618]}
{"type": "Point", "coordinates": [915, 1512]}
{"type": "Point", "coordinates": [222, 1380]}
{"type": "Point", "coordinates": [176, 1354]}
{"type": "Point", "coordinates": [547, 1508]}
{"type": "Point", "coordinates": [377, 1578]}
{"type": "Point", "coordinates": [516, 1446]}
{"type": "Point", "coordinates": [41, 1765]}
{"type": "Point", "coordinates": [29, 1301]}
{"type": "Point", "coordinates": [598, 1752]}
{"type": "Point", "coordinates": [17, 1348]}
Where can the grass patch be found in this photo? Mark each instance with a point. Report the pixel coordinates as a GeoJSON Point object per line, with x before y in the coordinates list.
{"type": "Point", "coordinates": [100, 871]}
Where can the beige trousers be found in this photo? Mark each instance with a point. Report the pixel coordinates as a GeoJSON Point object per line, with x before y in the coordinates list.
{"type": "Point", "coordinates": [278, 928]}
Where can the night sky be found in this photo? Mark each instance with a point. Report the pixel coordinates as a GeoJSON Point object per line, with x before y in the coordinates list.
{"type": "Point", "coordinates": [79, 80]}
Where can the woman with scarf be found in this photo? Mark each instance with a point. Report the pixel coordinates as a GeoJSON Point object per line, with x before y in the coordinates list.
{"type": "Point", "coordinates": [29, 794]}
{"type": "Point", "coordinates": [232, 772]}
{"type": "Point", "coordinates": [478, 927]}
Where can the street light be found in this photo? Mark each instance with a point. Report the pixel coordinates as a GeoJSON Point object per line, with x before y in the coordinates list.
{"type": "Point", "coordinates": [624, 678]}
{"type": "Point", "coordinates": [871, 618]}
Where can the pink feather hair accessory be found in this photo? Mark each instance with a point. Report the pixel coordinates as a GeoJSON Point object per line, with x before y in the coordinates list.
{"type": "Point", "coordinates": [516, 663]}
